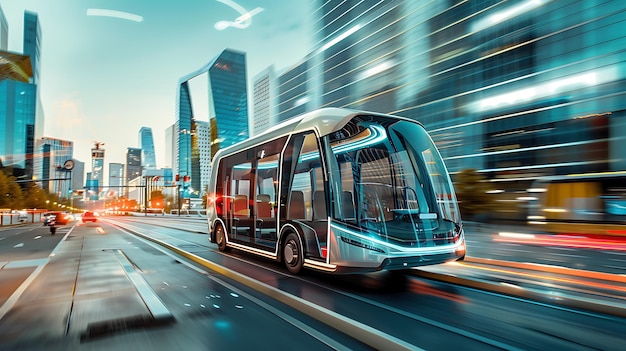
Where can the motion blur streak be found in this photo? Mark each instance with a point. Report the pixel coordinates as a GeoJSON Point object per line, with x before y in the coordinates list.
{"type": "Point", "coordinates": [419, 287]}
{"type": "Point", "coordinates": [540, 277]}
{"type": "Point", "coordinates": [576, 242]}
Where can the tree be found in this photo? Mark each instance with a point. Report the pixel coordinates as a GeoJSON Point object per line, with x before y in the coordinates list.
{"type": "Point", "coordinates": [34, 196]}
{"type": "Point", "coordinates": [472, 193]}
{"type": "Point", "coordinates": [10, 192]}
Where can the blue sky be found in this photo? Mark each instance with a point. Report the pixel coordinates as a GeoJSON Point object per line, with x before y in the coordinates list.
{"type": "Point", "coordinates": [102, 78]}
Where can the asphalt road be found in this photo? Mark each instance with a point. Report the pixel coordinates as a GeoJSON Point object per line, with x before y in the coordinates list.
{"type": "Point", "coordinates": [104, 289]}
{"type": "Point", "coordinates": [93, 299]}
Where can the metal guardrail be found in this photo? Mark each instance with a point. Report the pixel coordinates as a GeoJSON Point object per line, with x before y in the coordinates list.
{"type": "Point", "coordinates": [17, 218]}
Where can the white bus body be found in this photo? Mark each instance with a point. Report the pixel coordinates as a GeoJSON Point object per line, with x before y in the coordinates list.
{"type": "Point", "coordinates": [337, 190]}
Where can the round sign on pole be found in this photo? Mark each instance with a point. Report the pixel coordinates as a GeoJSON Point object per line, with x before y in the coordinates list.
{"type": "Point", "coordinates": [68, 165]}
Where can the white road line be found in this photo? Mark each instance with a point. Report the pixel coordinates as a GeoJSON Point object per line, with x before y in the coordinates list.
{"type": "Point", "coordinates": [19, 245]}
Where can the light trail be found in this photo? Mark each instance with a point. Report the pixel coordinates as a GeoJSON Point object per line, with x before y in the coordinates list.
{"type": "Point", "coordinates": [578, 242]}
{"type": "Point", "coordinates": [240, 22]}
{"type": "Point", "coordinates": [114, 14]}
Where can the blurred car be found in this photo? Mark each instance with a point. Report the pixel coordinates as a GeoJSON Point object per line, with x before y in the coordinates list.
{"type": "Point", "coordinates": [89, 216]}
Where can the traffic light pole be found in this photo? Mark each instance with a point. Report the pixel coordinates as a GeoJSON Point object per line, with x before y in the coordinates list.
{"type": "Point", "coordinates": [178, 195]}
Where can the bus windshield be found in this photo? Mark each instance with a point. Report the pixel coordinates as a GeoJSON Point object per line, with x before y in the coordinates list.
{"type": "Point", "coordinates": [393, 182]}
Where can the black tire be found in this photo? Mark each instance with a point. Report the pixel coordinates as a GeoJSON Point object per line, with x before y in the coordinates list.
{"type": "Point", "coordinates": [220, 238]}
{"type": "Point", "coordinates": [293, 255]}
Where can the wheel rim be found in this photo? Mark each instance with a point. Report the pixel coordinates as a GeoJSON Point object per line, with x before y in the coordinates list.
{"type": "Point", "coordinates": [220, 237]}
{"type": "Point", "coordinates": [291, 253]}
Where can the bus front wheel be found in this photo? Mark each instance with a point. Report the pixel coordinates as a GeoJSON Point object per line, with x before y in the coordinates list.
{"type": "Point", "coordinates": [220, 238]}
{"type": "Point", "coordinates": [292, 253]}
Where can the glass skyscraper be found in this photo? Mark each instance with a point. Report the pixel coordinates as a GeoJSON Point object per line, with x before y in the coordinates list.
{"type": "Point", "coordinates": [133, 163]}
{"type": "Point", "coordinates": [116, 179]}
{"type": "Point", "coordinates": [146, 143]}
{"type": "Point", "coordinates": [97, 168]}
{"type": "Point", "coordinates": [32, 37]}
{"type": "Point", "coordinates": [20, 123]}
{"type": "Point", "coordinates": [228, 111]}
{"type": "Point", "coordinates": [32, 48]}
{"type": "Point", "coordinates": [515, 90]}
{"type": "Point", "coordinates": [52, 153]}
{"type": "Point", "coordinates": [4, 31]}
{"type": "Point", "coordinates": [17, 126]}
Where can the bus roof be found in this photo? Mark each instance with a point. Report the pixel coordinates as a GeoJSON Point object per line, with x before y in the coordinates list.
{"type": "Point", "coordinates": [325, 120]}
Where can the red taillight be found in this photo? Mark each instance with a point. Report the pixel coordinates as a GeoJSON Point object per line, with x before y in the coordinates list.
{"type": "Point", "coordinates": [218, 202]}
{"type": "Point", "coordinates": [324, 251]}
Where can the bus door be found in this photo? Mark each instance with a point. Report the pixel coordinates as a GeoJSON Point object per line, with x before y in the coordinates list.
{"type": "Point", "coordinates": [265, 204]}
{"type": "Point", "coordinates": [239, 217]}
{"type": "Point", "coordinates": [303, 193]}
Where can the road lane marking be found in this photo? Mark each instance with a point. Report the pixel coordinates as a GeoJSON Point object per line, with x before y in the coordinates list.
{"type": "Point", "coordinates": [19, 245]}
{"type": "Point", "coordinates": [152, 301]}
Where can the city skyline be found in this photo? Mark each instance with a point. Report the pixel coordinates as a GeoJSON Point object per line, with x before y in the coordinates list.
{"type": "Point", "coordinates": [102, 78]}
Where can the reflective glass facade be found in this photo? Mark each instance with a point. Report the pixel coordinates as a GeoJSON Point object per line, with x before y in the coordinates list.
{"type": "Point", "coordinates": [515, 90]}
{"type": "Point", "coordinates": [4, 31]}
{"type": "Point", "coordinates": [116, 179]}
{"type": "Point", "coordinates": [228, 112]}
{"type": "Point", "coordinates": [229, 94]}
{"type": "Point", "coordinates": [51, 154]}
{"type": "Point", "coordinates": [17, 126]}
{"type": "Point", "coordinates": [133, 165]}
{"type": "Point", "coordinates": [294, 97]}
{"type": "Point", "coordinates": [32, 44]}
{"type": "Point", "coordinates": [146, 143]}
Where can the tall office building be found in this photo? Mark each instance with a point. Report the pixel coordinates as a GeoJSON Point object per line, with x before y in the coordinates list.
{"type": "Point", "coordinates": [294, 94]}
{"type": "Point", "coordinates": [170, 141]}
{"type": "Point", "coordinates": [133, 166]}
{"type": "Point", "coordinates": [4, 32]}
{"type": "Point", "coordinates": [78, 175]}
{"type": "Point", "coordinates": [203, 137]}
{"type": "Point", "coordinates": [146, 144]}
{"type": "Point", "coordinates": [228, 109]}
{"type": "Point", "coordinates": [264, 93]}
{"type": "Point", "coordinates": [17, 126]}
{"type": "Point", "coordinates": [32, 41]}
{"type": "Point", "coordinates": [51, 157]}
{"type": "Point", "coordinates": [18, 107]}
{"type": "Point", "coordinates": [515, 90]}
{"type": "Point", "coordinates": [97, 167]}
{"type": "Point", "coordinates": [32, 48]}
{"type": "Point", "coordinates": [116, 180]}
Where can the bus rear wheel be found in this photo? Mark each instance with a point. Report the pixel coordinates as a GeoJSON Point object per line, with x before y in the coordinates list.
{"type": "Point", "coordinates": [220, 238]}
{"type": "Point", "coordinates": [293, 257]}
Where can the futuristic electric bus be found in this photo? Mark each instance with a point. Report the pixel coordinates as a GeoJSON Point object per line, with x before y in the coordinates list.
{"type": "Point", "coordinates": [337, 190]}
